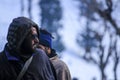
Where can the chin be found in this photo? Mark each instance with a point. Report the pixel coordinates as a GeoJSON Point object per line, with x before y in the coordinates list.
{"type": "Point", "coordinates": [34, 47]}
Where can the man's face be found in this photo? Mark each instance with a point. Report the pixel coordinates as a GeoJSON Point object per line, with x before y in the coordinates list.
{"type": "Point", "coordinates": [42, 47]}
{"type": "Point", "coordinates": [46, 49]}
{"type": "Point", "coordinates": [34, 38]}
{"type": "Point", "coordinates": [30, 42]}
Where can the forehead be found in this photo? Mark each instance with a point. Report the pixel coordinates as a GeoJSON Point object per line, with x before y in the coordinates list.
{"type": "Point", "coordinates": [33, 30]}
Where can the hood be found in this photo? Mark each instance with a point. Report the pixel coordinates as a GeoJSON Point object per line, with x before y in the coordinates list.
{"type": "Point", "coordinates": [18, 30]}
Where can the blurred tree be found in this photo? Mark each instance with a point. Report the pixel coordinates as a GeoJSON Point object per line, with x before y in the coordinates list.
{"type": "Point", "coordinates": [51, 14]}
{"type": "Point", "coordinates": [29, 9]}
{"type": "Point", "coordinates": [96, 11]}
{"type": "Point", "coordinates": [22, 7]}
{"type": "Point", "coordinates": [86, 39]}
{"type": "Point", "coordinates": [116, 56]}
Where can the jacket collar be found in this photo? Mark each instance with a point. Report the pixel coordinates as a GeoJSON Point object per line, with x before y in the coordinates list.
{"type": "Point", "coordinates": [8, 55]}
{"type": "Point", "coordinates": [53, 53]}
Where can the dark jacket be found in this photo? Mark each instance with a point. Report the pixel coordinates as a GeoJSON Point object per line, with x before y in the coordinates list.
{"type": "Point", "coordinates": [39, 69]}
{"type": "Point", "coordinates": [61, 68]}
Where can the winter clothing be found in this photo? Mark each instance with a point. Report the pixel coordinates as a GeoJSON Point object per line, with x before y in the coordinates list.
{"type": "Point", "coordinates": [61, 68]}
{"type": "Point", "coordinates": [11, 62]}
{"type": "Point", "coordinates": [39, 69]}
{"type": "Point", "coordinates": [45, 39]}
{"type": "Point", "coordinates": [18, 30]}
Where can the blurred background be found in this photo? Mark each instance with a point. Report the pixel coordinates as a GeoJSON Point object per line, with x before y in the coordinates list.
{"type": "Point", "coordinates": [87, 32]}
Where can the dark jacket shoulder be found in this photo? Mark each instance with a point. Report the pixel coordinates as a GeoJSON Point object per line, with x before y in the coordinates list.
{"type": "Point", "coordinates": [7, 72]}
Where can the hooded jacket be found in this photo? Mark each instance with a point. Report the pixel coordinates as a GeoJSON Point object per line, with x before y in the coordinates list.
{"type": "Point", "coordinates": [17, 32]}
{"type": "Point", "coordinates": [10, 62]}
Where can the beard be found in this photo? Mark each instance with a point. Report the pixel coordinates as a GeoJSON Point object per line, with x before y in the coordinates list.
{"type": "Point", "coordinates": [27, 49]}
{"type": "Point", "coordinates": [27, 52]}
{"type": "Point", "coordinates": [35, 46]}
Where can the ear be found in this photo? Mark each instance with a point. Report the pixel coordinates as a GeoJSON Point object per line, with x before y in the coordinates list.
{"type": "Point", "coordinates": [48, 49]}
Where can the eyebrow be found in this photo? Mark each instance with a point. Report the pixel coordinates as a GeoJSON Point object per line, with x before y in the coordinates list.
{"type": "Point", "coordinates": [34, 35]}
{"type": "Point", "coordinates": [33, 29]}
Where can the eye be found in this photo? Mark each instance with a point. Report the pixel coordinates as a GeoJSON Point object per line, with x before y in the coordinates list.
{"type": "Point", "coordinates": [34, 36]}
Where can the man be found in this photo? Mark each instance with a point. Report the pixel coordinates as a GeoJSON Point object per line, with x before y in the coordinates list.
{"type": "Point", "coordinates": [61, 68]}
{"type": "Point", "coordinates": [20, 49]}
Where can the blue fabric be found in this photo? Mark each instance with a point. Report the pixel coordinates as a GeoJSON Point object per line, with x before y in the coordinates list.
{"type": "Point", "coordinates": [10, 57]}
{"type": "Point", "coordinates": [45, 40]}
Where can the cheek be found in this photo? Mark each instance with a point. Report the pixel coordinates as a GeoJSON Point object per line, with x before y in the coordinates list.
{"type": "Point", "coordinates": [32, 42]}
{"type": "Point", "coordinates": [42, 47]}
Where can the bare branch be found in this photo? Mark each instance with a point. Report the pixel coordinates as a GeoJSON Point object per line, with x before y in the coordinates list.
{"type": "Point", "coordinates": [109, 51]}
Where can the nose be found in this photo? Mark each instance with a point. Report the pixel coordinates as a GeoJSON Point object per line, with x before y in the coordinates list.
{"type": "Point", "coordinates": [36, 40]}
